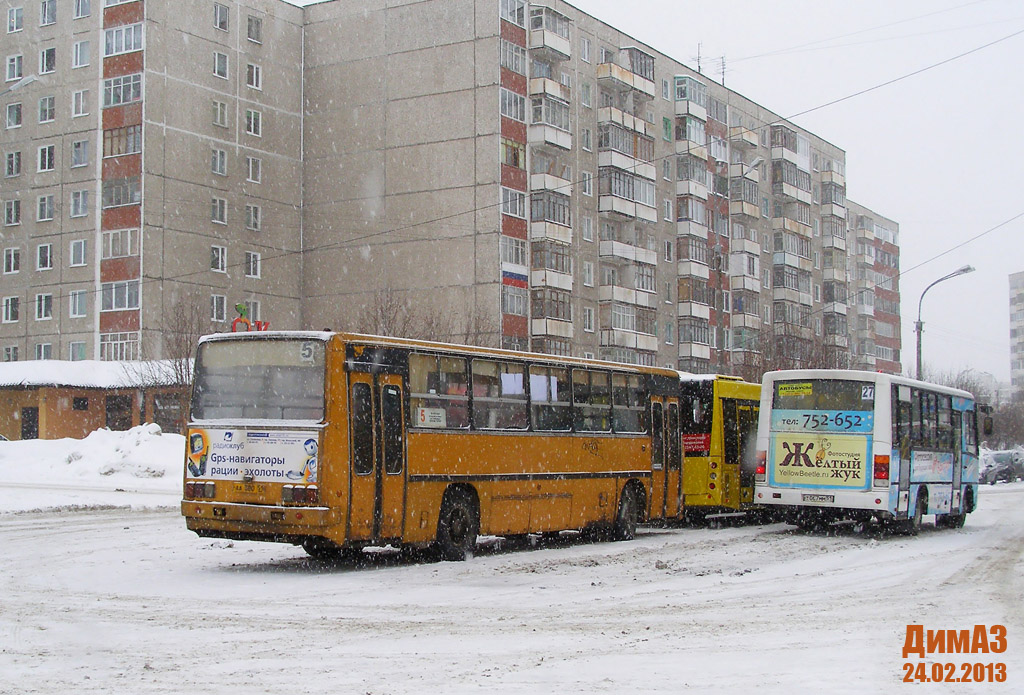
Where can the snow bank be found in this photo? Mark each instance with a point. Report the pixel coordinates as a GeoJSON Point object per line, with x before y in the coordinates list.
{"type": "Point", "coordinates": [138, 467]}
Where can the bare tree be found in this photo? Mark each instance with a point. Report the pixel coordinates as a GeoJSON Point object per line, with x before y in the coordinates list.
{"type": "Point", "coordinates": [388, 313]}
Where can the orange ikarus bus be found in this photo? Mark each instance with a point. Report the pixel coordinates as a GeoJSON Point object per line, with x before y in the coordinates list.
{"type": "Point", "coordinates": [337, 441]}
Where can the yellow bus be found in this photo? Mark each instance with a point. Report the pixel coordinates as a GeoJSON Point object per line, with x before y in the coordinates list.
{"type": "Point", "coordinates": [338, 441]}
{"type": "Point", "coordinates": [718, 429]}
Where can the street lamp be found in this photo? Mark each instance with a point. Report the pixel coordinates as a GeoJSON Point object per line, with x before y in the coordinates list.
{"type": "Point", "coordinates": [28, 79]}
{"type": "Point", "coordinates": [919, 325]}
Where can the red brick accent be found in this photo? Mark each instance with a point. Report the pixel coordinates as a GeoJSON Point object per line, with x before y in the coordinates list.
{"type": "Point", "coordinates": [513, 33]}
{"type": "Point", "coordinates": [127, 64]}
{"type": "Point", "coordinates": [119, 321]}
{"type": "Point", "coordinates": [514, 227]}
{"type": "Point", "coordinates": [514, 81]}
{"type": "Point", "coordinates": [513, 130]}
{"type": "Point", "coordinates": [116, 269]}
{"type": "Point", "coordinates": [128, 13]}
{"type": "Point", "coordinates": [122, 217]}
{"type": "Point", "coordinates": [120, 116]}
{"type": "Point", "coordinates": [513, 177]}
{"type": "Point", "coordinates": [121, 167]}
{"type": "Point", "coordinates": [515, 325]}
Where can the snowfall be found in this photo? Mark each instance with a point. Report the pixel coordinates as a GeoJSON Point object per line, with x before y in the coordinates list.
{"type": "Point", "coordinates": [103, 590]}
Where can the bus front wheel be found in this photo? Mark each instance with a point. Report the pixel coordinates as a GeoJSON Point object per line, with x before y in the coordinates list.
{"type": "Point", "coordinates": [457, 526]}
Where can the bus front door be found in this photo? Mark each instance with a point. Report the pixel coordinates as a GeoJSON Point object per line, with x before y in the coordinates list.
{"type": "Point", "coordinates": [377, 467]}
{"type": "Point", "coordinates": [666, 466]}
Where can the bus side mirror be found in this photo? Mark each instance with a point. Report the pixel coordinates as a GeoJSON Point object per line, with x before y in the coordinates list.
{"type": "Point", "coordinates": [986, 426]}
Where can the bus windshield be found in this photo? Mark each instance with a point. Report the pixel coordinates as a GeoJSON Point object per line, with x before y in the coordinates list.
{"type": "Point", "coordinates": [279, 379]}
{"type": "Point", "coordinates": [823, 394]}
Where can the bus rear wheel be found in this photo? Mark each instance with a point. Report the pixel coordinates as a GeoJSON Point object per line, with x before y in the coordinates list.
{"type": "Point", "coordinates": [628, 516]}
{"type": "Point", "coordinates": [912, 526]}
{"type": "Point", "coordinates": [457, 526]}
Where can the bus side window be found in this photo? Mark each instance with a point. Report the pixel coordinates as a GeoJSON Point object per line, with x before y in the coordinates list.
{"type": "Point", "coordinates": [438, 392]}
{"type": "Point", "coordinates": [591, 398]}
{"type": "Point", "coordinates": [628, 403]}
{"type": "Point", "coordinates": [551, 406]}
{"type": "Point", "coordinates": [499, 395]}
{"type": "Point", "coordinates": [944, 438]}
{"type": "Point", "coordinates": [730, 433]}
{"type": "Point", "coordinates": [916, 430]}
{"type": "Point", "coordinates": [362, 429]}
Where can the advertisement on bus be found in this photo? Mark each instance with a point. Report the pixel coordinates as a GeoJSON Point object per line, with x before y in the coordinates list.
{"type": "Point", "coordinates": [257, 455]}
{"type": "Point", "coordinates": [820, 461]}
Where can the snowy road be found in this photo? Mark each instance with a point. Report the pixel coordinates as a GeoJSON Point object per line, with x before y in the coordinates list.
{"type": "Point", "coordinates": [120, 601]}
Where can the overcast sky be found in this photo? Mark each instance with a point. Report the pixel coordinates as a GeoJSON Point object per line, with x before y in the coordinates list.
{"type": "Point", "coordinates": [940, 152]}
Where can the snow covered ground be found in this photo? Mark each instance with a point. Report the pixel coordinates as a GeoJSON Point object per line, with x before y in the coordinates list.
{"type": "Point", "coordinates": [102, 590]}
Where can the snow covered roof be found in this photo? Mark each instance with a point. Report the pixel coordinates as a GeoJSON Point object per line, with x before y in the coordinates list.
{"type": "Point", "coordinates": [87, 373]}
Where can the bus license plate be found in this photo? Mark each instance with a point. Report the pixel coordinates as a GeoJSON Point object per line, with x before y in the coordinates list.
{"type": "Point", "coordinates": [819, 498]}
{"type": "Point", "coordinates": [250, 488]}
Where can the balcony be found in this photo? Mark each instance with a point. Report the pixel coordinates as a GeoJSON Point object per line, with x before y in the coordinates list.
{"type": "Point", "coordinates": [552, 327]}
{"type": "Point", "coordinates": [788, 190]}
{"type": "Point", "coordinates": [549, 231]}
{"type": "Point", "coordinates": [628, 208]}
{"type": "Point", "coordinates": [692, 228]}
{"type": "Point", "coordinates": [696, 269]}
{"type": "Point", "coordinates": [743, 137]}
{"type": "Point", "coordinates": [550, 182]}
{"type": "Point", "coordinates": [617, 337]}
{"type": "Point", "coordinates": [685, 107]}
{"type": "Point", "coordinates": [541, 134]}
{"type": "Point", "coordinates": [744, 170]}
{"type": "Point", "coordinates": [833, 275]}
{"type": "Point", "coordinates": [625, 295]}
{"type": "Point", "coordinates": [697, 149]}
{"type": "Point", "coordinates": [792, 260]}
{"type": "Point", "coordinates": [694, 309]}
{"type": "Point", "coordinates": [788, 224]}
{"type": "Point", "coordinates": [833, 209]}
{"type": "Point", "coordinates": [833, 242]}
{"type": "Point", "coordinates": [612, 76]}
{"type": "Point", "coordinates": [742, 207]}
{"type": "Point", "coordinates": [695, 350]}
{"type": "Point", "coordinates": [551, 278]}
{"type": "Point", "coordinates": [628, 252]}
{"type": "Point", "coordinates": [550, 45]}
{"type": "Point", "coordinates": [834, 308]}
{"type": "Point", "coordinates": [745, 282]}
{"type": "Point", "coordinates": [833, 177]}
{"type": "Point", "coordinates": [619, 160]}
{"type": "Point", "coordinates": [540, 86]}
{"type": "Point", "coordinates": [610, 114]}
{"type": "Point", "coordinates": [745, 321]}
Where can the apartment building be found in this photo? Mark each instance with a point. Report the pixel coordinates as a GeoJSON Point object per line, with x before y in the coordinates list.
{"type": "Point", "coordinates": [874, 318]}
{"type": "Point", "coordinates": [535, 177]}
{"type": "Point", "coordinates": [1017, 331]}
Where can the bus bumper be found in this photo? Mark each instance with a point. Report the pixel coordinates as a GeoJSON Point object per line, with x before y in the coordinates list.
{"type": "Point", "coordinates": [232, 520]}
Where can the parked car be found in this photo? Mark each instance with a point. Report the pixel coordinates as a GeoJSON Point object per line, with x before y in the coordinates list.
{"type": "Point", "coordinates": [1005, 466]}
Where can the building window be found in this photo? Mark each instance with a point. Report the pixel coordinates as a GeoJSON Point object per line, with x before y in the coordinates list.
{"type": "Point", "coordinates": [588, 183]}
{"type": "Point", "coordinates": [44, 351]}
{"type": "Point", "coordinates": [513, 251]}
{"type": "Point", "coordinates": [218, 308]}
{"type": "Point", "coordinates": [78, 247]}
{"type": "Point", "coordinates": [553, 112]}
{"type": "Point", "coordinates": [14, 115]}
{"type": "Point", "coordinates": [254, 76]}
{"type": "Point", "coordinates": [11, 353]}
{"type": "Point", "coordinates": [77, 303]}
{"type": "Point", "coordinates": [44, 307]}
{"type": "Point", "coordinates": [44, 257]}
{"type": "Point", "coordinates": [252, 264]}
{"type": "Point", "coordinates": [220, 16]}
{"type": "Point", "coordinates": [585, 139]}
{"type": "Point", "coordinates": [12, 212]}
{"type": "Point", "coordinates": [513, 203]}
{"type": "Point", "coordinates": [513, 300]}
{"type": "Point", "coordinates": [118, 192]}
{"type": "Point", "coordinates": [120, 243]}
{"type": "Point", "coordinates": [12, 261]}
{"type": "Point", "coordinates": [219, 259]}
{"type": "Point", "coordinates": [47, 12]}
{"type": "Point", "coordinates": [15, 19]}
{"type": "Point", "coordinates": [47, 161]}
{"type": "Point", "coordinates": [254, 29]}
{"type": "Point", "coordinates": [12, 164]}
{"type": "Point", "coordinates": [44, 208]}
{"type": "Point", "coordinates": [513, 105]}
{"type": "Point", "coordinates": [588, 319]}
{"type": "Point", "coordinates": [14, 68]}
{"type": "Point", "coordinates": [76, 353]}
{"type": "Point", "coordinates": [122, 39]}
{"type": "Point", "coordinates": [513, 153]}
{"type": "Point", "coordinates": [253, 217]}
{"type": "Point", "coordinates": [254, 165]}
{"type": "Point", "coordinates": [548, 206]}
{"type": "Point", "coordinates": [220, 64]}
{"type": "Point", "coordinates": [79, 153]}
{"type": "Point", "coordinates": [588, 274]}
{"type": "Point", "coordinates": [119, 346]}
{"type": "Point", "coordinates": [513, 57]}
{"type": "Point", "coordinates": [82, 9]}
{"type": "Point", "coordinates": [11, 310]}
{"type": "Point", "coordinates": [119, 141]}
{"type": "Point", "coordinates": [122, 90]}
{"type": "Point", "coordinates": [80, 54]}
{"type": "Point", "coordinates": [252, 307]}
{"type": "Point", "coordinates": [219, 210]}
{"type": "Point", "coordinates": [220, 113]}
{"type": "Point", "coordinates": [219, 162]}
{"type": "Point", "coordinates": [80, 103]}
{"type": "Point", "coordinates": [79, 203]}
{"type": "Point", "coordinates": [585, 50]}
{"type": "Point", "coordinates": [514, 11]}
{"type": "Point", "coordinates": [587, 229]}
{"type": "Point", "coordinates": [253, 122]}
{"type": "Point", "coordinates": [47, 60]}
{"type": "Point", "coordinates": [119, 296]}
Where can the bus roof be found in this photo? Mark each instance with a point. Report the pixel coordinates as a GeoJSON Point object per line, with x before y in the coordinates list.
{"type": "Point", "coordinates": [860, 375]}
{"type": "Point", "coordinates": [432, 345]}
